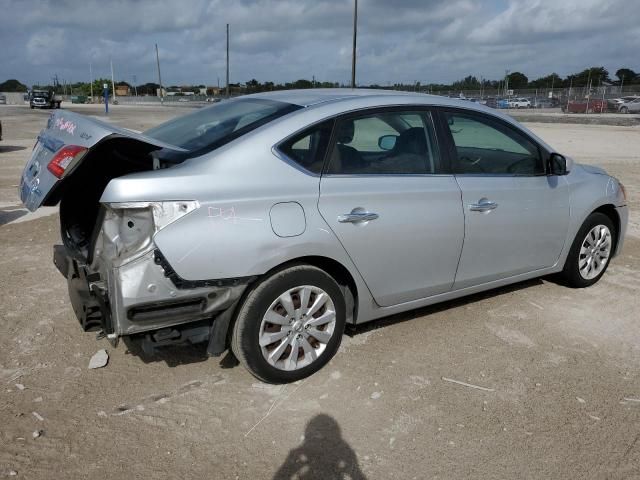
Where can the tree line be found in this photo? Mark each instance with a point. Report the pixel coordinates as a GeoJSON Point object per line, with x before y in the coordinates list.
{"type": "Point", "coordinates": [593, 76]}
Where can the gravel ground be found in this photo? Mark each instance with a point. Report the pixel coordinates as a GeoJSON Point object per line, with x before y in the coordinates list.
{"type": "Point", "coordinates": [559, 371]}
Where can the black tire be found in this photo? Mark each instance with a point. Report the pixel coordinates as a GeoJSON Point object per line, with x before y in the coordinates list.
{"type": "Point", "coordinates": [624, 110]}
{"type": "Point", "coordinates": [246, 331]}
{"type": "Point", "coordinates": [571, 272]}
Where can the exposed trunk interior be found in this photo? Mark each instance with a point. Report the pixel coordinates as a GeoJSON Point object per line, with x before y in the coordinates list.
{"type": "Point", "coordinates": [79, 194]}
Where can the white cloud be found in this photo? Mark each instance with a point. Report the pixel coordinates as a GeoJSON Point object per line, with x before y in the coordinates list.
{"type": "Point", "coordinates": [45, 46]}
{"type": "Point", "coordinates": [283, 40]}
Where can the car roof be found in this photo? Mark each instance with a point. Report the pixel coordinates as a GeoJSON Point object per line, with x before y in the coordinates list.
{"type": "Point", "coordinates": [364, 97]}
{"type": "Point", "coordinates": [314, 96]}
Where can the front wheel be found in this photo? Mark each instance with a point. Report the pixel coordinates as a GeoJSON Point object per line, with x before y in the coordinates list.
{"type": "Point", "coordinates": [290, 325]}
{"type": "Point", "coordinates": [624, 110]}
{"type": "Point", "coordinates": [590, 252]}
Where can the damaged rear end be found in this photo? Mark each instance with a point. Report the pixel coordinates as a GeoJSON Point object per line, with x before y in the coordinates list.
{"type": "Point", "coordinates": [119, 281]}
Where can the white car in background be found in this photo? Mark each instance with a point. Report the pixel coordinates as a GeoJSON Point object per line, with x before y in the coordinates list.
{"type": "Point", "coordinates": [519, 103]}
{"type": "Point", "coordinates": [631, 106]}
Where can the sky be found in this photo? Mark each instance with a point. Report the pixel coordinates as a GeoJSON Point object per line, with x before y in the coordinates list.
{"type": "Point", "coordinates": [399, 41]}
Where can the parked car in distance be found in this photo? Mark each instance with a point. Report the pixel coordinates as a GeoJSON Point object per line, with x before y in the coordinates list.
{"type": "Point", "coordinates": [502, 103]}
{"type": "Point", "coordinates": [613, 104]}
{"type": "Point", "coordinates": [491, 102]}
{"type": "Point", "coordinates": [585, 105]}
{"type": "Point", "coordinates": [3, 99]}
{"type": "Point", "coordinates": [543, 103]}
{"type": "Point", "coordinates": [268, 222]}
{"type": "Point", "coordinates": [519, 103]}
{"type": "Point", "coordinates": [0, 129]}
{"type": "Point", "coordinates": [630, 106]}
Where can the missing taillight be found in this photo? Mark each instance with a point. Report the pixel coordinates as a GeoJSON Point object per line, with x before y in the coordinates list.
{"type": "Point", "coordinates": [66, 158]}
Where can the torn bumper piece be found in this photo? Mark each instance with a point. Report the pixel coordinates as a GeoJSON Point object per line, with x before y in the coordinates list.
{"type": "Point", "coordinates": [146, 295]}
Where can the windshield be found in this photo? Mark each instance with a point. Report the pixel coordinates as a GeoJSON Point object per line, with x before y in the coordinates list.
{"type": "Point", "coordinates": [212, 127]}
{"type": "Point", "coordinates": [41, 94]}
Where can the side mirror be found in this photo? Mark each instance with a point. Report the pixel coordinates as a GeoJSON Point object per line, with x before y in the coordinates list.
{"type": "Point", "coordinates": [387, 142]}
{"type": "Point", "coordinates": [559, 164]}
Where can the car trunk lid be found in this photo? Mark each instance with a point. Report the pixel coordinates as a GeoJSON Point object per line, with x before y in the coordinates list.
{"type": "Point", "coordinates": [68, 140]}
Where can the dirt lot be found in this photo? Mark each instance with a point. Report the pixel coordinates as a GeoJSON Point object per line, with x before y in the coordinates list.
{"type": "Point", "coordinates": [561, 367]}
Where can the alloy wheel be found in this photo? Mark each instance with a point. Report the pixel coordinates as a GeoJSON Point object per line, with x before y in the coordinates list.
{"type": "Point", "coordinates": [594, 252]}
{"type": "Point", "coordinates": [297, 327]}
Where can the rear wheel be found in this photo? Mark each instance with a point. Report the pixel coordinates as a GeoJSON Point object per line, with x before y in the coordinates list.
{"type": "Point", "coordinates": [590, 252]}
{"type": "Point", "coordinates": [290, 325]}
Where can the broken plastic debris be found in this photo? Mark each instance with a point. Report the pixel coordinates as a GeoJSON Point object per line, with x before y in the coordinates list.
{"type": "Point", "coordinates": [19, 386]}
{"type": "Point", "coordinates": [38, 416]}
{"type": "Point", "coordinates": [37, 433]}
{"type": "Point", "coordinates": [99, 360]}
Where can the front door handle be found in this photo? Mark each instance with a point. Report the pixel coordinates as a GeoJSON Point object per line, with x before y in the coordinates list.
{"type": "Point", "coordinates": [483, 205]}
{"type": "Point", "coordinates": [357, 217]}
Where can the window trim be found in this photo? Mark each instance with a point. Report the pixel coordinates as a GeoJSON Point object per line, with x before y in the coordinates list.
{"type": "Point", "coordinates": [369, 111]}
{"type": "Point", "coordinates": [447, 138]}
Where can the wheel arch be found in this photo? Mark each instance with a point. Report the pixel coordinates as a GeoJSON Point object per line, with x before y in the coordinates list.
{"type": "Point", "coordinates": [610, 211]}
{"type": "Point", "coordinates": [335, 269]}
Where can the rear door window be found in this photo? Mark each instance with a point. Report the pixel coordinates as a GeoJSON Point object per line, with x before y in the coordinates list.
{"type": "Point", "coordinates": [384, 143]}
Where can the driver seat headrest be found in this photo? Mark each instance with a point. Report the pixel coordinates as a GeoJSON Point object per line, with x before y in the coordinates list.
{"type": "Point", "coordinates": [346, 131]}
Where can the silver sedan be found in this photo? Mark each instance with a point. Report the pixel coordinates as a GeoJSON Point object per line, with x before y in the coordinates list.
{"type": "Point", "coordinates": [266, 223]}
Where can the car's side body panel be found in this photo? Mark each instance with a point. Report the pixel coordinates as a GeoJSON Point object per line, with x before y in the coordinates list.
{"type": "Point", "coordinates": [412, 249]}
{"type": "Point", "coordinates": [235, 207]}
{"type": "Point", "coordinates": [525, 232]}
{"type": "Point", "coordinates": [238, 187]}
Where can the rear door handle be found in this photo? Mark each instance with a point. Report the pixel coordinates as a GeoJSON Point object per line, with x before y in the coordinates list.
{"type": "Point", "coordinates": [357, 217]}
{"type": "Point", "coordinates": [483, 205]}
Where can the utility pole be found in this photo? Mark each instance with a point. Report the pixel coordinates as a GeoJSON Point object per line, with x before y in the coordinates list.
{"type": "Point", "coordinates": [227, 60]}
{"type": "Point", "coordinates": [621, 84]}
{"type": "Point", "coordinates": [588, 91]}
{"type": "Point", "coordinates": [113, 84]}
{"type": "Point", "coordinates": [159, 77]}
{"type": "Point", "coordinates": [135, 84]}
{"type": "Point", "coordinates": [91, 81]}
{"type": "Point", "coordinates": [355, 34]}
{"type": "Point", "coordinates": [506, 82]}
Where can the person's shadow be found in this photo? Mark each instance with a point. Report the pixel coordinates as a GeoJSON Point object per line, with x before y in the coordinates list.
{"type": "Point", "coordinates": [324, 454]}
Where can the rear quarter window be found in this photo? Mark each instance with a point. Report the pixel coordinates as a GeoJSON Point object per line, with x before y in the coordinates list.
{"type": "Point", "coordinates": [308, 148]}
